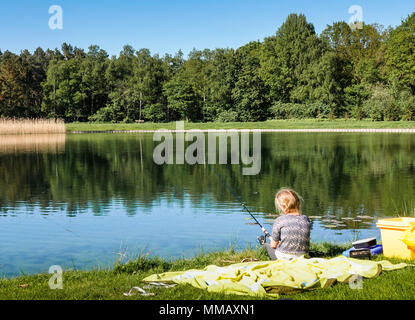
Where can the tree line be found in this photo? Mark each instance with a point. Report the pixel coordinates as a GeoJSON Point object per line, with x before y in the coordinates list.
{"type": "Point", "coordinates": [344, 72]}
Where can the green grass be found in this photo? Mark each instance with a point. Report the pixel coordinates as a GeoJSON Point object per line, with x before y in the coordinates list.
{"type": "Point", "coordinates": [270, 124]}
{"type": "Point", "coordinates": [112, 283]}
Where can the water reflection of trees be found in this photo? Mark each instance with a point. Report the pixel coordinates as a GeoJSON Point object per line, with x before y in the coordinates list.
{"type": "Point", "coordinates": [343, 174]}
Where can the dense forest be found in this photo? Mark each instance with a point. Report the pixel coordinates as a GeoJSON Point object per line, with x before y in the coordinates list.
{"type": "Point", "coordinates": [296, 73]}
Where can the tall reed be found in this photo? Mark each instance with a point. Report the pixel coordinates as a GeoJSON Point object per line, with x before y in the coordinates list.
{"type": "Point", "coordinates": [31, 126]}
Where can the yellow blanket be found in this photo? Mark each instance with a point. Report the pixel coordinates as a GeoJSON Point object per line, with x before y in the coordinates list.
{"type": "Point", "coordinates": [269, 278]}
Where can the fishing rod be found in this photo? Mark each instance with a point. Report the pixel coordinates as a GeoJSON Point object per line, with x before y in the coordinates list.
{"type": "Point", "coordinates": [237, 197]}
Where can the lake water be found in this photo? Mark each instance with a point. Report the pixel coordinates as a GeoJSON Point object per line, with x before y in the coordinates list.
{"type": "Point", "coordinates": [86, 200]}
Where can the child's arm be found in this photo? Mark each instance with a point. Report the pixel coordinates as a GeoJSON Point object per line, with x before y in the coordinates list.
{"type": "Point", "coordinates": [274, 244]}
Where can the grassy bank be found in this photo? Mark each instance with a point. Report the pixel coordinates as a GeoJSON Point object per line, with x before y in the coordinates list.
{"type": "Point", "coordinates": [271, 124]}
{"type": "Point", "coordinates": [112, 283]}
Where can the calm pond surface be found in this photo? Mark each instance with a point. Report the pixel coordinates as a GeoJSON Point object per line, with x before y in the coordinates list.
{"type": "Point", "coordinates": [86, 200]}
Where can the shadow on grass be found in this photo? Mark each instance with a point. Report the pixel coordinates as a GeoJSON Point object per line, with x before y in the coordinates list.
{"type": "Point", "coordinates": [231, 255]}
{"type": "Point", "coordinates": [327, 249]}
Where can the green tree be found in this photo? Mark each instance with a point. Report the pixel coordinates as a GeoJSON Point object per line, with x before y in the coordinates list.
{"type": "Point", "coordinates": [400, 53]}
{"type": "Point", "coordinates": [149, 77]}
{"type": "Point", "coordinates": [406, 103]}
{"type": "Point", "coordinates": [183, 102]}
{"type": "Point", "coordinates": [355, 97]}
{"type": "Point", "coordinates": [196, 71]}
{"type": "Point", "coordinates": [222, 79]}
{"type": "Point", "coordinates": [20, 90]}
{"type": "Point", "coordinates": [11, 91]}
{"type": "Point", "coordinates": [94, 89]}
{"type": "Point", "coordinates": [250, 93]}
{"type": "Point", "coordinates": [61, 90]}
{"type": "Point", "coordinates": [382, 105]}
{"type": "Point", "coordinates": [360, 56]}
{"type": "Point", "coordinates": [120, 104]}
{"type": "Point", "coordinates": [321, 83]}
{"type": "Point", "coordinates": [173, 64]}
{"type": "Point", "coordinates": [286, 56]}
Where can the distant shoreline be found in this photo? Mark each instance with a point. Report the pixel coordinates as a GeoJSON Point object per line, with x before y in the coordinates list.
{"type": "Point", "coordinates": [395, 130]}
{"type": "Point", "coordinates": [276, 126]}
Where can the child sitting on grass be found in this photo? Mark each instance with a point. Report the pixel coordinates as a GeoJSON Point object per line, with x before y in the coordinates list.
{"type": "Point", "coordinates": [290, 236]}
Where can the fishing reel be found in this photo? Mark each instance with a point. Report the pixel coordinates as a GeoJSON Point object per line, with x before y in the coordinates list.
{"type": "Point", "coordinates": [262, 240]}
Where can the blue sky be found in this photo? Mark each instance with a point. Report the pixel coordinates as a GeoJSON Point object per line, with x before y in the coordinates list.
{"type": "Point", "coordinates": [165, 26]}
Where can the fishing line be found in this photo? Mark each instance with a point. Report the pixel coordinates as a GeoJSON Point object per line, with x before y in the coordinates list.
{"type": "Point", "coordinates": [83, 239]}
{"type": "Point", "coordinates": [64, 228]}
{"type": "Point", "coordinates": [238, 198]}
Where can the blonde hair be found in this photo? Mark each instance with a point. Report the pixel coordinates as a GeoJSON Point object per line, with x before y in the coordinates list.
{"type": "Point", "coordinates": [287, 200]}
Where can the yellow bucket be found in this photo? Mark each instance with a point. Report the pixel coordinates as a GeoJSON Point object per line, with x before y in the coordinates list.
{"type": "Point", "coordinates": [391, 231]}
